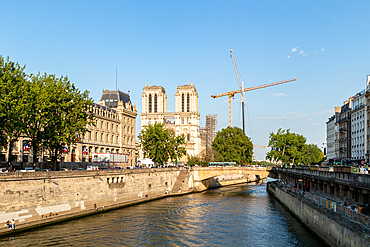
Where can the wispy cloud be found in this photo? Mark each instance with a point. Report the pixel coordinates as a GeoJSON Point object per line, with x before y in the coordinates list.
{"type": "Point", "coordinates": [279, 94]}
{"type": "Point", "coordinates": [294, 49]}
{"type": "Point", "coordinates": [288, 56]}
{"type": "Point", "coordinates": [322, 49]}
{"type": "Point", "coordinates": [301, 52]}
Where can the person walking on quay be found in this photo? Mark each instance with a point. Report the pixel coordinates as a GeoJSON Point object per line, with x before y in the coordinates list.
{"type": "Point", "coordinates": [13, 224]}
{"type": "Point", "coordinates": [8, 224]}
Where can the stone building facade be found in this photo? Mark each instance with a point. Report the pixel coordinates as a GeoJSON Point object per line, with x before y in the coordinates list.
{"type": "Point", "coordinates": [344, 124]}
{"type": "Point", "coordinates": [114, 132]}
{"type": "Point", "coordinates": [184, 121]}
{"type": "Point", "coordinates": [358, 128]}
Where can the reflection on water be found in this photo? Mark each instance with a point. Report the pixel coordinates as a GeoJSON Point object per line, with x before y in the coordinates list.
{"type": "Point", "coordinates": [243, 215]}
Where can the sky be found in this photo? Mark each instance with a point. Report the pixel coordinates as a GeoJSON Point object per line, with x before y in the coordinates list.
{"type": "Point", "coordinates": [323, 44]}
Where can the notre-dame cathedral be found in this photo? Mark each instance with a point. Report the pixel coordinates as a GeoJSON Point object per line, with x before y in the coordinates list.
{"type": "Point", "coordinates": [184, 121]}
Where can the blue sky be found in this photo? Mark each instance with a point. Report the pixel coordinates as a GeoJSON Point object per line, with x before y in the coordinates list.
{"type": "Point", "coordinates": [324, 44]}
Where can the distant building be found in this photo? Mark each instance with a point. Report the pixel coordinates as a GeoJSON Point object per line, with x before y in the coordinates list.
{"type": "Point", "coordinates": [114, 132]}
{"type": "Point", "coordinates": [344, 124]}
{"type": "Point", "coordinates": [184, 121]}
{"type": "Point", "coordinates": [367, 117]}
{"type": "Point", "coordinates": [330, 138]}
{"type": "Point", "coordinates": [358, 128]}
{"type": "Point", "coordinates": [211, 124]}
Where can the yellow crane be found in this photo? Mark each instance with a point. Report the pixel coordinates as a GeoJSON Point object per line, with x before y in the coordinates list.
{"type": "Point", "coordinates": [240, 83]}
{"type": "Point", "coordinates": [258, 146]}
{"type": "Point", "coordinates": [232, 93]}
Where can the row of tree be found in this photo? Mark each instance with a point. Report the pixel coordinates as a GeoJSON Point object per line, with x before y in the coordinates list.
{"type": "Point", "coordinates": [230, 144]}
{"type": "Point", "coordinates": [50, 111]}
{"type": "Point", "coordinates": [291, 148]}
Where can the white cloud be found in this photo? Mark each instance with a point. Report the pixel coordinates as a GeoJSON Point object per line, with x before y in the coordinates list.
{"type": "Point", "coordinates": [301, 52]}
{"type": "Point", "coordinates": [288, 56]}
{"type": "Point", "coordinates": [322, 49]}
{"type": "Point", "coordinates": [294, 49]}
{"type": "Point", "coordinates": [279, 94]}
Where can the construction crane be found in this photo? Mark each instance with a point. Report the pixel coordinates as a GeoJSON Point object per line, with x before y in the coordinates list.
{"type": "Point", "coordinates": [232, 93]}
{"type": "Point", "coordinates": [258, 146]}
{"type": "Point", "coordinates": [240, 86]}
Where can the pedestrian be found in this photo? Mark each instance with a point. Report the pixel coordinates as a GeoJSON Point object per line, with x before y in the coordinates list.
{"type": "Point", "coordinates": [13, 224]}
{"type": "Point", "coordinates": [8, 224]}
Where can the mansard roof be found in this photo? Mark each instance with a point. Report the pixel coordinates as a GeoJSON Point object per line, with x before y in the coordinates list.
{"type": "Point", "coordinates": [111, 98]}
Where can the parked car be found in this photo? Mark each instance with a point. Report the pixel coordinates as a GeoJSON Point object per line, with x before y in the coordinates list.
{"type": "Point", "coordinates": [30, 169]}
{"type": "Point", "coordinates": [78, 169]}
{"type": "Point", "coordinates": [42, 170]}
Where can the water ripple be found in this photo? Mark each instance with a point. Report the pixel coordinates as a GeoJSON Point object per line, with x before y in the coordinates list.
{"type": "Point", "coordinates": [243, 215]}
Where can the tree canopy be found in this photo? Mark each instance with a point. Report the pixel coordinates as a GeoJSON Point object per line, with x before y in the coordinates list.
{"type": "Point", "coordinates": [288, 147]}
{"type": "Point", "coordinates": [50, 111]}
{"type": "Point", "coordinates": [233, 145]}
{"type": "Point", "coordinates": [160, 144]}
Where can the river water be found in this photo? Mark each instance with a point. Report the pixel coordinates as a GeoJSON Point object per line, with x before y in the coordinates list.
{"type": "Point", "coordinates": [243, 215]}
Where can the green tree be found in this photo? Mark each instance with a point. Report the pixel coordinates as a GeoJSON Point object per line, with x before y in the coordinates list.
{"type": "Point", "coordinates": [160, 144]}
{"type": "Point", "coordinates": [233, 145]}
{"type": "Point", "coordinates": [286, 147]}
{"type": "Point", "coordinates": [13, 103]}
{"type": "Point", "coordinates": [69, 113]}
{"type": "Point", "coordinates": [312, 154]}
{"type": "Point", "coordinates": [57, 113]}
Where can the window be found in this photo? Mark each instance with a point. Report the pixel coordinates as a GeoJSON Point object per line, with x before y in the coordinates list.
{"type": "Point", "coordinates": [155, 103]}
{"type": "Point", "coordinates": [107, 100]}
{"type": "Point", "coordinates": [115, 100]}
{"type": "Point", "coordinates": [102, 137]}
{"type": "Point", "coordinates": [150, 103]}
{"type": "Point", "coordinates": [187, 102]}
{"type": "Point", "coordinates": [111, 100]}
{"type": "Point", "coordinates": [107, 125]}
{"type": "Point", "coordinates": [96, 136]}
{"type": "Point", "coordinates": [182, 102]}
{"type": "Point", "coordinates": [188, 137]}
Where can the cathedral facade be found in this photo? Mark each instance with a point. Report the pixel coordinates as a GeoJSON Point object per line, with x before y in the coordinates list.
{"type": "Point", "coordinates": [184, 121]}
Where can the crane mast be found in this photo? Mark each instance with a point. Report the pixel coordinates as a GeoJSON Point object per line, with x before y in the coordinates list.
{"type": "Point", "coordinates": [232, 93]}
{"type": "Point", "coordinates": [240, 87]}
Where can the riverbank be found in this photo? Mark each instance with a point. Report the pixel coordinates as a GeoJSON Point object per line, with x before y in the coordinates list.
{"type": "Point", "coordinates": [39, 199]}
{"type": "Point", "coordinates": [335, 229]}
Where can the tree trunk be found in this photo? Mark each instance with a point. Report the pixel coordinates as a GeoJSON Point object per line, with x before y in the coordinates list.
{"type": "Point", "coordinates": [10, 153]}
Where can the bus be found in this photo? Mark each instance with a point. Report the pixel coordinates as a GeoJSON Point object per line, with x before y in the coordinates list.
{"type": "Point", "coordinates": [108, 159]}
{"type": "Point", "coordinates": [221, 164]}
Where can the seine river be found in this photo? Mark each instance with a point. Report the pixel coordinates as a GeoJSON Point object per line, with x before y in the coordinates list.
{"type": "Point", "coordinates": [243, 215]}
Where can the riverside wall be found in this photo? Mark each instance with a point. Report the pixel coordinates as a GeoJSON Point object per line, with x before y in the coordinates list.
{"type": "Point", "coordinates": [38, 198]}
{"type": "Point", "coordinates": [334, 229]}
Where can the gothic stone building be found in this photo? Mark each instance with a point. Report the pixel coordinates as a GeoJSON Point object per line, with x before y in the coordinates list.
{"type": "Point", "coordinates": [184, 121]}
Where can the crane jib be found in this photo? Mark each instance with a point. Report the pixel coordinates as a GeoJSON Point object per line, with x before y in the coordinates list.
{"type": "Point", "coordinates": [253, 88]}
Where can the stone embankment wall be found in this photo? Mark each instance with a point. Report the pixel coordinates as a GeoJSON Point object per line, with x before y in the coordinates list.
{"type": "Point", "coordinates": [35, 198]}
{"type": "Point", "coordinates": [205, 178]}
{"type": "Point", "coordinates": [334, 229]}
